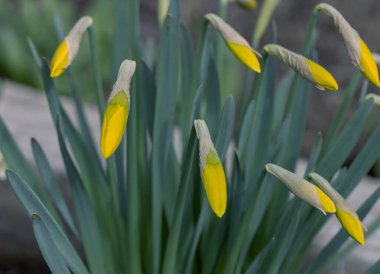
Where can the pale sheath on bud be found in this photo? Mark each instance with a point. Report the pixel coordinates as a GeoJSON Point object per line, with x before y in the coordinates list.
{"type": "Point", "coordinates": [303, 189]}
{"type": "Point", "coordinates": [374, 97]}
{"type": "Point", "coordinates": [68, 48]}
{"type": "Point", "coordinates": [212, 173]}
{"type": "Point", "coordinates": [344, 212]}
{"type": "Point", "coordinates": [248, 4]}
{"type": "Point", "coordinates": [235, 42]}
{"type": "Point", "coordinates": [308, 69]}
{"type": "Point", "coordinates": [358, 51]}
{"type": "Point", "coordinates": [115, 115]}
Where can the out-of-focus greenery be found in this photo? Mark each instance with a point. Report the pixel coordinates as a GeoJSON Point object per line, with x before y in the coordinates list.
{"type": "Point", "coordinates": [46, 22]}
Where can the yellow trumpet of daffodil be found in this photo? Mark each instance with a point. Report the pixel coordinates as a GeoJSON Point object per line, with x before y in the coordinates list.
{"type": "Point", "coordinates": [305, 67]}
{"type": "Point", "coordinates": [212, 173]}
{"type": "Point", "coordinates": [116, 112]}
{"type": "Point", "coordinates": [68, 48]}
{"type": "Point", "coordinates": [358, 51]}
{"type": "Point", "coordinates": [344, 212]}
{"type": "Point", "coordinates": [248, 4]}
{"type": "Point", "coordinates": [303, 189]}
{"type": "Point", "coordinates": [235, 42]}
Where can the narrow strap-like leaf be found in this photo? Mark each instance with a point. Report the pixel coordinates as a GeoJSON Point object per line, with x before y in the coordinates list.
{"type": "Point", "coordinates": [48, 249]}
{"type": "Point", "coordinates": [346, 141]}
{"type": "Point", "coordinates": [52, 184]}
{"type": "Point", "coordinates": [174, 236]}
{"type": "Point", "coordinates": [33, 205]}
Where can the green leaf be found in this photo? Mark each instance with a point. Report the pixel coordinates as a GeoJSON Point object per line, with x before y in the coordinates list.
{"type": "Point", "coordinates": [245, 129]}
{"type": "Point", "coordinates": [252, 220]}
{"type": "Point", "coordinates": [255, 265]}
{"type": "Point", "coordinates": [33, 205]}
{"type": "Point", "coordinates": [51, 183]}
{"type": "Point", "coordinates": [48, 249]}
{"type": "Point", "coordinates": [97, 72]}
{"type": "Point", "coordinates": [16, 160]}
{"type": "Point", "coordinates": [265, 15]}
{"type": "Point", "coordinates": [90, 234]}
{"type": "Point", "coordinates": [225, 127]}
{"type": "Point", "coordinates": [187, 67]}
{"type": "Point", "coordinates": [174, 10]}
{"type": "Point", "coordinates": [189, 262]}
{"type": "Point", "coordinates": [348, 96]}
{"type": "Point", "coordinates": [88, 165]}
{"type": "Point", "coordinates": [280, 99]}
{"type": "Point", "coordinates": [346, 141]}
{"type": "Point", "coordinates": [259, 138]}
{"type": "Point", "coordinates": [167, 83]}
{"type": "Point", "coordinates": [374, 269]}
{"type": "Point", "coordinates": [314, 155]}
{"type": "Point", "coordinates": [360, 165]}
{"type": "Point", "coordinates": [174, 235]}
{"type": "Point", "coordinates": [50, 91]}
{"type": "Point", "coordinates": [196, 109]}
{"type": "Point", "coordinates": [149, 90]}
{"type": "Point", "coordinates": [213, 98]}
{"type": "Point", "coordinates": [298, 123]}
{"type": "Point", "coordinates": [35, 54]}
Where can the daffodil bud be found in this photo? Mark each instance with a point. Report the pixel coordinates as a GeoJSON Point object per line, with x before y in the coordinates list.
{"type": "Point", "coordinates": [212, 173]}
{"type": "Point", "coordinates": [308, 69]}
{"type": "Point", "coordinates": [374, 97]}
{"type": "Point", "coordinates": [344, 212]}
{"type": "Point", "coordinates": [248, 4]}
{"type": "Point", "coordinates": [116, 112]}
{"type": "Point", "coordinates": [303, 189]}
{"type": "Point", "coordinates": [68, 48]}
{"type": "Point", "coordinates": [358, 51]}
{"type": "Point", "coordinates": [235, 42]}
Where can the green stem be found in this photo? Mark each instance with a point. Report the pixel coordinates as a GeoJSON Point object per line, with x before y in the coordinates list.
{"type": "Point", "coordinates": [97, 72]}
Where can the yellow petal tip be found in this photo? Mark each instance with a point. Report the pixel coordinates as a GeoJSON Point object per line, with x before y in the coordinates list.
{"type": "Point", "coordinates": [114, 123]}
{"type": "Point", "coordinates": [60, 60]}
{"type": "Point", "coordinates": [327, 204]}
{"type": "Point", "coordinates": [245, 55]}
{"type": "Point", "coordinates": [322, 77]}
{"type": "Point", "coordinates": [352, 225]}
{"type": "Point", "coordinates": [215, 184]}
{"type": "Point", "coordinates": [368, 65]}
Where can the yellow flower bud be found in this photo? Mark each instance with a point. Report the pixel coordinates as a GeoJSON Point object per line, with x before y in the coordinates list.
{"type": "Point", "coordinates": [358, 51]}
{"type": "Point", "coordinates": [68, 48]}
{"type": "Point", "coordinates": [116, 111]}
{"type": "Point", "coordinates": [344, 212]}
{"type": "Point", "coordinates": [248, 4]}
{"type": "Point", "coordinates": [236, 43]}
{"type": "Point", "coordinates": [212, 173]}
{"type": "Point", "coordinates": [303, 189]}
{"type": "Point", "coordinates": [308, 69]}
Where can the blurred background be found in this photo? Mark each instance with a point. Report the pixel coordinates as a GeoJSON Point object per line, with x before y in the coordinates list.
{"type": "Point", "coordinates": [45, 22]}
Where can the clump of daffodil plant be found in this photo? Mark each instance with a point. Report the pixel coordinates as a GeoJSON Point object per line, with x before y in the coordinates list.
{"type": "Point", "coordinates": [182, 180]}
